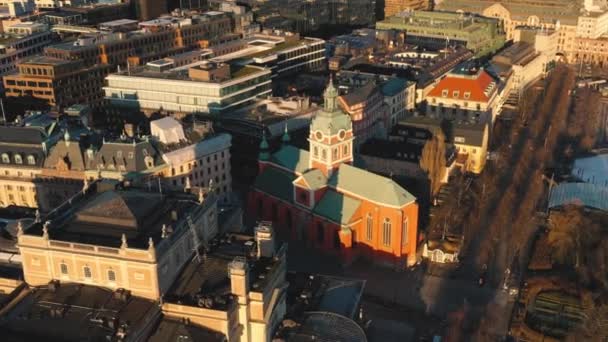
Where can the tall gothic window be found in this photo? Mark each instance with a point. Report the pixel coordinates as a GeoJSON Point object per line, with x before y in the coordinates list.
{"type": "Point", "coordinates": [370, 228]}
{"type": "Point", "coordinates": [63, 267]}
{"type": "Point", "coordinates": [404, 232]}
{"type": "Point", "coordinates": [386, 232]}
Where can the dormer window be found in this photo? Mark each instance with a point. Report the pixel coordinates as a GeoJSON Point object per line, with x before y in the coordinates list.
{"type": "Point", "coordinates": [31, 160]}
{"type": "Point", "coordinates": [455, 93]}
{"type": "Point", "coordinates": [467, 95]}
{"type": "Point", "coordinates": [444, 93]}
{"type": "Point", "coordinates": [5, 158]}
{"type": "Point", "coordinates": [18, 159]}
{"type": "Point", "coordinates": [119, 154]}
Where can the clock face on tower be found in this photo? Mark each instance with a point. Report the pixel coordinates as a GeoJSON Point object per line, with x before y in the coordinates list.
{"type": "Point", "coordinates": [319, 135]}
{"type": "Point", "coordinates": [342, 134]}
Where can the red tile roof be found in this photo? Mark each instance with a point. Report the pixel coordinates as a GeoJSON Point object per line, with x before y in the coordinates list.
{"type": "Point", "coordinates": [476, 86]}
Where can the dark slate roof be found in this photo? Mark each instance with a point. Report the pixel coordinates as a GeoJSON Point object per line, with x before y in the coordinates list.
{"type": "Point", "coordinates": [110, 154]}
{"type": "Point", "coordinates": [473, 134]}
{"type": "Point", "coordinates": [24, 151]}
{"type": "Point", "coordinates": [22, 135]}
{"type": "Point", "coordinates": [71, 152]}
{"type": "Point", "coordinates": [361, 94]}
{"type": "Point", "coordinates": [276, 182]}
{"type": "Point", "coordinates": [171, 329]}
{"type": "Point", "coordinates": [31, 320]}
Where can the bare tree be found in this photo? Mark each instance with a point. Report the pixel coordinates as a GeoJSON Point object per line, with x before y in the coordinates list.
{"type": "Point", "coordinates": [433, 160]}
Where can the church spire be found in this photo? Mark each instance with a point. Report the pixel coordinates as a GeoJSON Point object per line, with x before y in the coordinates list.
{"type": "Point", "coordinates": [264, 148]}
{"type": "Point", "coordinates": [330, 96]}
{"type": "Point", "coordinates": [286, 138]}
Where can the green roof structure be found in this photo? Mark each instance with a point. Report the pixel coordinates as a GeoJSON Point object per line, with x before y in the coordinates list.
{"type": "Point", "coordinates": [336, 207]}
{"type": "Point", "coordinates": [315, 179]}
{"type": "Point", "coordinates": [370, 186]}
{"type": "Point", "coordinates": [291, 158]}
{"type": "Point", "coordinates": [276, 182]}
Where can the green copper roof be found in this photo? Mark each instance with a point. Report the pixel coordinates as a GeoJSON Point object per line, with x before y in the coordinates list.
{"type": "Point", "coordinates": [315, 179]}
{"type": "Point", "coordinates": [337, 207]}
{"type": "Point", "coordinates": [276, 182]}
{"type": "Point", "coordinates": [370, 186]}
{"type": "Point", "coordinates": [291, 158]}
{"type": "Point", "coordinates": [394, 86]}
{"type": "Point", "coordinates": [330, 123]}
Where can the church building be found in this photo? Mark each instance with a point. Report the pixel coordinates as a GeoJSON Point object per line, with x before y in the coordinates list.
{"type": "Point", "coordinates": [318, 198]}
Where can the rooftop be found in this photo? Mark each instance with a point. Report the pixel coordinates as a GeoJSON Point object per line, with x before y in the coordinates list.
{"type": "Point", "coordinates": [71, 312]}
{"type": "Point", "coordinates": [322, 308]}
{"type": "Point", "coordinates": [110, 209]}
{"type": "Point", "coordinates": [182, 73]}
{"type": "Point", "coordinates": [206, 283]}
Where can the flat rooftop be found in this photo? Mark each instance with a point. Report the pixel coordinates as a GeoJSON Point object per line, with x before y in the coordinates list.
{"type": "Point", "coordinates": [109, 209]}
{"type": "Point", "coordinates": [44, 60]}
{"type": "Point", "coordinates": [171, 329]}
{"type": "Point", "coordinates": [73, 312]}
{"type": "Point", "coordinates": [181, 73]}
{"type": "Point", "coordinates": [207, 282]}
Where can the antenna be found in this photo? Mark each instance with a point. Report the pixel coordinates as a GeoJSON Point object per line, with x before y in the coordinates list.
{"type": "Point", "coordinates": [197, 242]}
{"type": "Point", "coordinates": [3, 114]}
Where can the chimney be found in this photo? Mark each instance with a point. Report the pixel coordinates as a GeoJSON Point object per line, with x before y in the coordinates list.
{"type": "Point", "coordinates": [128, 130]}
{"type": "Point", "coordinates": [264, 237]}
{"type": "Point", "coordinates": [239, 278]}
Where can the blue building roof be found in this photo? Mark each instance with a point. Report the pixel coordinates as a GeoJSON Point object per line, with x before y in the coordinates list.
{"type": "Point", "coordinates": [588, 195]}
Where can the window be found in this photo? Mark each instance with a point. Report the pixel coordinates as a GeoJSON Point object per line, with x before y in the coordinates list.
{"type": "Point", "coordinates": [459, 139]}
{"type": "Point", "coordinates": [31, 160]}
{"type": "Point", "coordinates": [118, 154]}
{"type": "Point", "coordinates": [345, 150]}
{"type": "Point", "coordinates": [370, 228]}
{"type": "Point", "coordinates": [87, 272]}
{"type": "Point", "coordinates": [111, 276]}
{"type": "Point", "coordinates": [18, 159]}
{"type": "Point", "coordinates": [315, 151]}
{"type": "Point", "coordinates": [320, 233]}
{"type": "Point", "coordinates": [335, 153]}
{"type": "Point", "coordinates": [455, 93]}
{"type": "Point", "coordinates": [323, 154]}
{"type": "Point", "coordinates": [404, 231]}
{"type": "Point", "coordinates": [5, 158]}
{"type": "Point", "coordinates": [386, 232]}
{"type": "Point", "coordinates": [337, 242]}
{"type": "Point", "coordinates": [63, 267]}
{"type": "Point", "coordinates": [467, 95]}
{"type": "Point", "coordinates": [444, 93]}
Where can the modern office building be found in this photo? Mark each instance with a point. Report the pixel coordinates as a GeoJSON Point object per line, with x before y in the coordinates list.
{"type": "Point", "coordinates": [285, 53]}
{"type": "Point", "coordinates": [155, 39]}
{"type": "Point", "coordinates": [440, 29]}
{"type": "Point", "coordinates": [59, 82]}
{"type": "Point", "coordinates": [22, 40]}
{"type": "Point", "coordinates": [207, 87]}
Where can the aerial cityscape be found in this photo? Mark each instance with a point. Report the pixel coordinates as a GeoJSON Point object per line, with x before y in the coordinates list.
{"type": "Point", "coordinates": [304, 170]}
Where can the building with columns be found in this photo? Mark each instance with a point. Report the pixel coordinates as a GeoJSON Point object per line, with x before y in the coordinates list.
{"type": "Point", "coordinates": [118, 237]}
{"type": "Point", "coordinates": [319, 198]}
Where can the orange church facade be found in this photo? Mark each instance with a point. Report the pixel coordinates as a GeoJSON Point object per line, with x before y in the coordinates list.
{"type": "Point", "coordinates": [319, 199]}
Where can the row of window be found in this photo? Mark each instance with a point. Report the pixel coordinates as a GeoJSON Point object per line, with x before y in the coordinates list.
{"type": "Point", "coordinates": [335, 152]}
{"type": "Point", "coordinates": [87, 273]}
{"type": "Point", "coordinates": [386, 231]}
{"type": "Point", "coordinates": [18, 159]}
